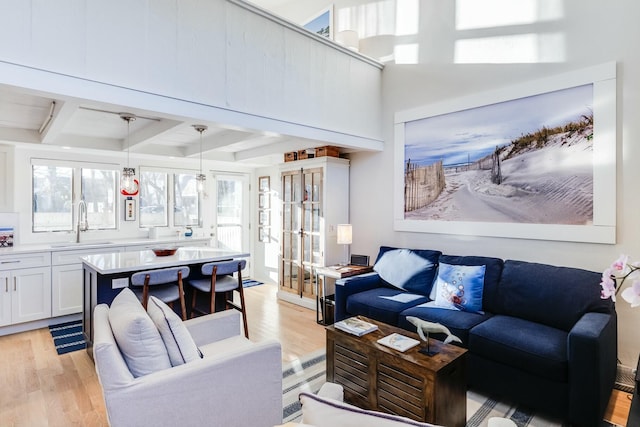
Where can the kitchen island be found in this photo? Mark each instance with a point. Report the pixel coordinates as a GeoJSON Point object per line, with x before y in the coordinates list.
{"type": "Point", "coordinates": [106, 274]}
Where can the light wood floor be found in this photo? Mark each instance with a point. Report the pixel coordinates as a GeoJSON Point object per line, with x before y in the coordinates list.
{"type": "Point", "coordinates": [40, 388]}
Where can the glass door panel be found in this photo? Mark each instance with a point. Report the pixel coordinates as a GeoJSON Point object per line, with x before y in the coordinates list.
{"type": "Point", "coordinates": [231, 218]}
{"type": "Point", "coordinates": [301, 229]}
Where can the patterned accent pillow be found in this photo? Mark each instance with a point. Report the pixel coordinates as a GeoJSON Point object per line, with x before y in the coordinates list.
{"type": "Point", "coordinates": [460, 287]}
{"type": "Point", "coordinates": [180, 346]}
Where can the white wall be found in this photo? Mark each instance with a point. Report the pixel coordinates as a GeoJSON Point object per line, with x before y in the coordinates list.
{"type": "Point", "coordinates": [209, 53]}
{"type": "Point", "coordinates": [564, 36]}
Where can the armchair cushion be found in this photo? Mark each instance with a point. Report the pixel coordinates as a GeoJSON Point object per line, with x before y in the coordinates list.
{"type": "Point", "coordinates": [180, 346]}
{"type": "Point", "coordinates": [324, 412]}
{"type": "Point", "coordinates": [137, 337]}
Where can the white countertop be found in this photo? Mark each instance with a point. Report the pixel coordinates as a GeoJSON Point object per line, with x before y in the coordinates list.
{"type": "Point", "coordinates": [120, 262]}
{"type": "Point", "coordinates": [68, 246]}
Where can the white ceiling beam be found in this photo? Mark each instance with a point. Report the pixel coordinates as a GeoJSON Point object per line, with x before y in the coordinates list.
{"type": "Point", "coordinates": [146, 135]}
{"type": "Point", "coordinates": [62, 114]}
{"type": "Point", "coordinates": [68, 140]}
{"type": "Point", "coordinates": [215, 141]}
{"type": "Point", "coordinates": [283, 146]}
{"type": "Point", "coordinates": [19, 135]}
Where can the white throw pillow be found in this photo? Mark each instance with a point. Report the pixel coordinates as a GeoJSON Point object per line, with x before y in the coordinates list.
{"type": "Point", "coordinates": [137, 337]}
{"type": "Point", "coordinates": [174, 333]}
{"type": "Point", "coordinates": [403, 269]}
{"type": "Point", "coordinates": [321, 412]}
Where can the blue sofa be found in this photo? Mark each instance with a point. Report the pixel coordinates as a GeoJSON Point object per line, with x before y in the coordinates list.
{"type": "Point", "coordinates": [543, 337]}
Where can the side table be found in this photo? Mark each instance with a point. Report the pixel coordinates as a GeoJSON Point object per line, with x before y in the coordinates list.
{"type": "Point", "coordinates": [324, 301]}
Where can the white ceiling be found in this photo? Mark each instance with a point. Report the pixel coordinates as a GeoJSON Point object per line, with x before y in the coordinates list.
{"type": "Point", "coordinates": [48, 121]}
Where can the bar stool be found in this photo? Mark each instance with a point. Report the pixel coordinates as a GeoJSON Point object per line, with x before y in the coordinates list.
{"type": "Point", "coordinates": [221, 281]}
{"type": "Point", "coordinates": [164, 284]}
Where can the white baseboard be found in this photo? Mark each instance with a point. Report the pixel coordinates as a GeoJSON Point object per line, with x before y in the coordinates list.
{"type": "Point", "coordinates": [295, 299]}
{"type": "Point", "coordinates": [37, 324]}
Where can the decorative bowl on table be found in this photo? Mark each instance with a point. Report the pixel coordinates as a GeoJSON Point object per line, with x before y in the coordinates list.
{"type": "Point", "coordinates": [164, 251]}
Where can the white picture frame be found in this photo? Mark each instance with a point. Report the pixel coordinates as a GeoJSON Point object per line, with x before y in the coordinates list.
{"type": "Point", "coordinates": [321, 23]}
{"type": "Point", "coordinates": [603, 227]}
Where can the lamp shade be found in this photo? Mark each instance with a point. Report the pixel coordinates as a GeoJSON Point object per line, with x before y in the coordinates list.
{"type": "Point", "coordinates": [344, 234]}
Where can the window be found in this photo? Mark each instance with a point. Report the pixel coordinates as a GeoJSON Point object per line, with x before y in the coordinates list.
{"type": "Point", "coordinates": [52, 198]}
{"type": "Point", "coordinates": [54, 187]}
{"type": "Point", "coordinates": [98, 190]}
{"type": "Point", "coordinates": [186, 207]}
{"type": "Point", "coordinates": [155, 199]}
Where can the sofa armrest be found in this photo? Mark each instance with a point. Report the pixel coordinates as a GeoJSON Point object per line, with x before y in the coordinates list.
{"type": "Point", "coordinates": [592, 350]}
{"type": "Point", "coordinates": [352, 285]}
{"type": "Point", "coordinates": [211, 391]}
{"type": "Point", "coordinates": [214, 327]}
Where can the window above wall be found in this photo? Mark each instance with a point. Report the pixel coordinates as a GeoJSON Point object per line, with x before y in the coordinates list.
{"type": "Point", "coordinates": [57, 188]}
{"type": "Point", "coordinates": [160, 190]}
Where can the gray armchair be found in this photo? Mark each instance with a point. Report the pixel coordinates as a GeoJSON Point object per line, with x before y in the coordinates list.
{"type": "Point", "coordinates": [236, 383]}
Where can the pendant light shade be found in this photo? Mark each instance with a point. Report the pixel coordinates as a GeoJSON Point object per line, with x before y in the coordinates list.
{"type": "Point", "coordinates": [200, 178]}
{"type": "Point", "coordinates": [127, 183]}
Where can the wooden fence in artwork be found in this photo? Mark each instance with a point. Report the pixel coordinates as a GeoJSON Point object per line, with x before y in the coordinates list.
{"type": "Point", "coordinates": [422, 185]}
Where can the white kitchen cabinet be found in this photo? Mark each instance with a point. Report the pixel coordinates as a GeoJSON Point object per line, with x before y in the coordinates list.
{"type": "Point", "coordinates": [67, 279]}
{"type": "Point", "coordinates": [25, 284]}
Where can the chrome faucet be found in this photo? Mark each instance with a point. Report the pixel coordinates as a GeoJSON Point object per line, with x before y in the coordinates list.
{"type": "Point", "coordinates": [83, 223]}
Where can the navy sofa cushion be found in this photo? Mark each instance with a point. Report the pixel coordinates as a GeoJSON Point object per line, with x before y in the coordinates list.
{"type": "Point", "coordinates": [422, 281]}
{"type": "Point", "coordinates": [491, 275]}
{"type": "Point", "coordinates": [534, 348]}
{"type": "Point", "coordinates": [458, 322]}
{"type": "Point", "coordinates": [554, 296]}
{"type": "Point", "coordinates": [383, 304]}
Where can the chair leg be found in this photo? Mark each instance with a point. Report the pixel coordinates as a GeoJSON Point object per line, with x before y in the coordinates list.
{"type": "Point", "coordinates": [193, 301]}
{"type": "Point", "coordinates": [212, 302]}
{"type": "Point", "coordinates": [145, 292]}
{"type": "Point", "coordinates": [243, 310]}
{"type": "Point", "coordinates": [183, 307]}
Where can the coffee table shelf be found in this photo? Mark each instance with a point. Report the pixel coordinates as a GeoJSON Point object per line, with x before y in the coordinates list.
{"type": "Point", "coordinates": [411, 384]}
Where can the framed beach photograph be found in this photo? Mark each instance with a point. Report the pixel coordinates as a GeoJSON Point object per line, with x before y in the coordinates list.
{"type": "Point", "coordinates": [264, 217]}
{"type": "Point", "coordinates": [264, 201]}
{"type": "Point", "coordinates": [263, 184]}
{"type": "Point", "coordinates": [263, 235]}
{"type": "Point", "coordinates": [534, 161]}
{"type": "Point", "coordinates": [321, 23]}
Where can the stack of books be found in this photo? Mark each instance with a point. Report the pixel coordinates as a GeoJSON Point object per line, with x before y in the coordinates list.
{"type": "Point", "coordinates": [398, 342]}
{"type": "Point", "coordinates": [355, 326]}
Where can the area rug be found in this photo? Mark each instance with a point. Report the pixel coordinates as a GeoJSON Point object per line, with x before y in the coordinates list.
{"type": "Point", "coordinates": [68, 336]}
{"type": "Point", "coordinates": [308, 374]}
{"type": "Point", "coordinates": [247, 283]}
{"type": "Point", "coordinates": [305, 374]}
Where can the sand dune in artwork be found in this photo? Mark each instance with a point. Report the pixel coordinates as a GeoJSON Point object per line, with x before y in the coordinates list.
{"type": "Point", "coordinates": [548, 185]}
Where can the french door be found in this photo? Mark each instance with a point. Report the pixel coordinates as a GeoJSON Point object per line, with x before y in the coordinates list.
{"type": "Point", "coordinates": [302, 214]}
{"type": "Point", "coordinates": [231, 212]}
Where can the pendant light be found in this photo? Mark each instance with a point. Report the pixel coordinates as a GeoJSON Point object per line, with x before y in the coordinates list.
{"type": "Point", "coordinates": [127, 183]}
{"type": "Point", "coordinates": [200, 178]}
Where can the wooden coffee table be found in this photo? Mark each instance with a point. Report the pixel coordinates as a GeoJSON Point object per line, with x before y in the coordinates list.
{"type": "Point", "coordinates": [411, 384]}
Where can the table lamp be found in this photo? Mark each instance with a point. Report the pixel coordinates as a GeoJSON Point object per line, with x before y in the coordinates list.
{"type": "Point", "coordinates": [344, 238]}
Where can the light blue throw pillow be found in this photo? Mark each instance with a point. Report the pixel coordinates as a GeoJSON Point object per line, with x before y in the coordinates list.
{"type": "Point", "coordinates": [405, 270]}
{"type": "Point", "coordinates": [460, 287]}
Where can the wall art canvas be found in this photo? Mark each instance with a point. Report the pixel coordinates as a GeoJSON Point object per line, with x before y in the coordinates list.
{"type": "Point", "coordinates": [322, 23]}
{"type": "Point", "coordinates": [515, 166]}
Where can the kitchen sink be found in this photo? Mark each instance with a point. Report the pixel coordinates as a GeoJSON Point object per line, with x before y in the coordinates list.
{"type": "Point", "coordinates": [75, 245]}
